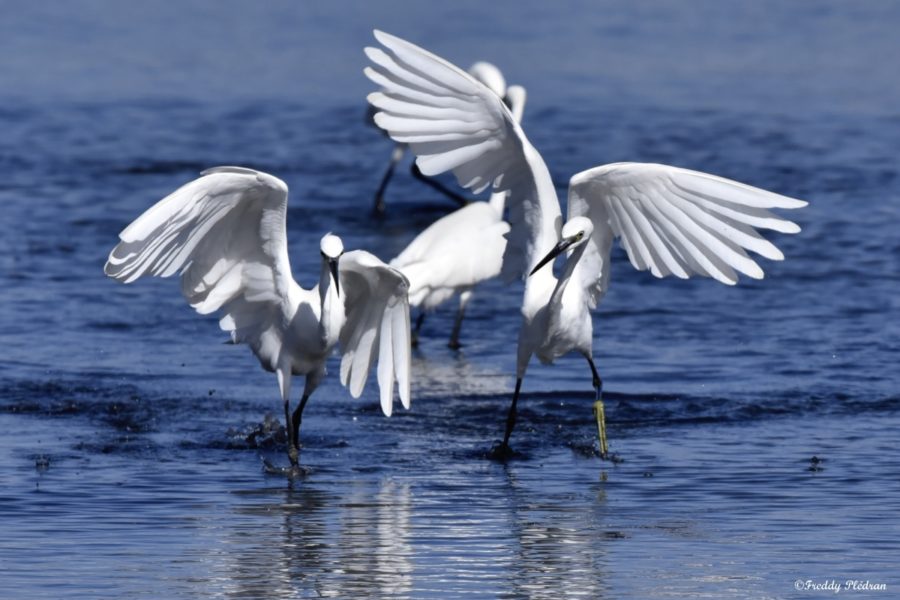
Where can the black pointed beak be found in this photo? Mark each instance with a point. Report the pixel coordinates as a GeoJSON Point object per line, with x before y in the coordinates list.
{"type": "Point", "coordinates": [561, 247]}
{"type": "Point", "coordinates": [333, 267]}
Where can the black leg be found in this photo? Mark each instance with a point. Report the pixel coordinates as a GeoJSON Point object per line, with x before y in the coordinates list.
{"type": "Point", "coordinates": [414, 342]}
{"type": "Point", "coordinates": [296, 420]}
{"type": "Point", "coordinates": [417, 173]}
{"type": "Point", "coordinates": [598, 383]}
{"type": "Point", "coordinates": [379, 206]}
{"type": "Point", "coordinates": [511, 416]}
{"type": "Point", "coordinates": [457, 324]}
{"type": "Point", "coordinates": [454, 335]}
{"type": "Point", "coordinates": [396, 156]}
{"type": "Point", "coordinates": [287, 422]}
{"type": "Point", "coordinates": [292, 446]}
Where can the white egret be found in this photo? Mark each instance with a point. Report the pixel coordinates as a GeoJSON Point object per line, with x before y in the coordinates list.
{"type": "Point", "coordinates": [459, 250]}
{"type": "Point", "coordinates": [670, 221]}
{"type": "Point", "coordinates": [486, 73]}
{"type": "Point", "coordinates": [224, 233]}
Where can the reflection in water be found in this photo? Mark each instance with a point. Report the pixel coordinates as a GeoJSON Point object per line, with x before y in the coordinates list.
{"type": "Point", "coordinates": [560, 548]}
{"type": "Point", "coordinates": [457, 377]}
{"type": "Point", "coordinates": [374, 556]}
{"type": "Point", "coordinates": [304, 542]}
{"type": "Point", "coordinates": [390, 538]}
{"type": "Point", "coordinates": [279, 544]}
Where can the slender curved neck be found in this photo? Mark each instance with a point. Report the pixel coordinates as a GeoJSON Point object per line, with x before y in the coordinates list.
{"type": "Point", "coordinates": [332, 316]}
{"type": "Point", "coordinates": [538, 290]}
{"type": "Point", "coordinates": [517, 105]}
{"type": "Point", "coordinates": [568, 272]}
{"type": "Point", "coordinates": [539, 286]}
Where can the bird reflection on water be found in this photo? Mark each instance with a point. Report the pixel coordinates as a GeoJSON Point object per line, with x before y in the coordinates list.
{"type": "Point", "coordinates": [372, 539]}
{"type": "Point", "coordinates": [353, 545]}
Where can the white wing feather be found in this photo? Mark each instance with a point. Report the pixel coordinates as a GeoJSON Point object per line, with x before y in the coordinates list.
{"type": "Point", "coordinates": [225, 234]}
{"type": "Point", "coordinates": [674, 221]}
{"type": "Point", "coordinates": [458, 251]}
{"type": "Point", "coordinates": [377, 327]}
{"type": "Point", "coordinates": [454, 123]}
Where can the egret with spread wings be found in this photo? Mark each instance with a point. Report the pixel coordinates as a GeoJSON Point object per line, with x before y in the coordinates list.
{"type": "Point", "coordinates": [458, 251]}
{"type": "Point", "coordinates": [671, 221]}
{"type": "Point", "coordinates": [225, 234]}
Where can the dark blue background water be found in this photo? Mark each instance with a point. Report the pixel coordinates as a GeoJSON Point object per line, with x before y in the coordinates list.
{"type": "Point", "coordinates": [130, 453]}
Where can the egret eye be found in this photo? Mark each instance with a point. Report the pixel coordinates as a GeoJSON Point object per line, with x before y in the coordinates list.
{"type": "Point", "coordinates": [578, 236]}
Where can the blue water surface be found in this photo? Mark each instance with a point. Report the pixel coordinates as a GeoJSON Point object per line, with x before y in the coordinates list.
{"type": "Point", "coordinates": [756, 424]}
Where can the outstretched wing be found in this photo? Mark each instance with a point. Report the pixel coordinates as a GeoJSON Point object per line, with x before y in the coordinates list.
{"type": "Point", "coordinates": [454, 123]}
{"type": "Point", "coordinates": [224, 233]}
{"type": "Point", "coordinates": [377, 327]}
{"type": "Point", "coordinates": [674, 221]}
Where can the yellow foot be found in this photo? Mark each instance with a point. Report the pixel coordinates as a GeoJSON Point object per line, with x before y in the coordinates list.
{"type": "Point", "coordinates": [600, 417]}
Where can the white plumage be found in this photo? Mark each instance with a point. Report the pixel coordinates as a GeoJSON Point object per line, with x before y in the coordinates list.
{"type": "Point", "coordinates": [462, 249]}
{"type": "Point", "coordinates": [671, 221]}
{"type": "Point", "coordinates": [224, 233]}
{"type": "Point", "coordinates": [482, 71]}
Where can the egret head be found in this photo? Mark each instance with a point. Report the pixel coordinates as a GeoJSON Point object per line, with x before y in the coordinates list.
{"type": "Point", "coordinates": [490, 76]}
{"type": "Point", "coordinates": [576, 232]}
{"type": "Point", "coordinates": [332, 247]}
